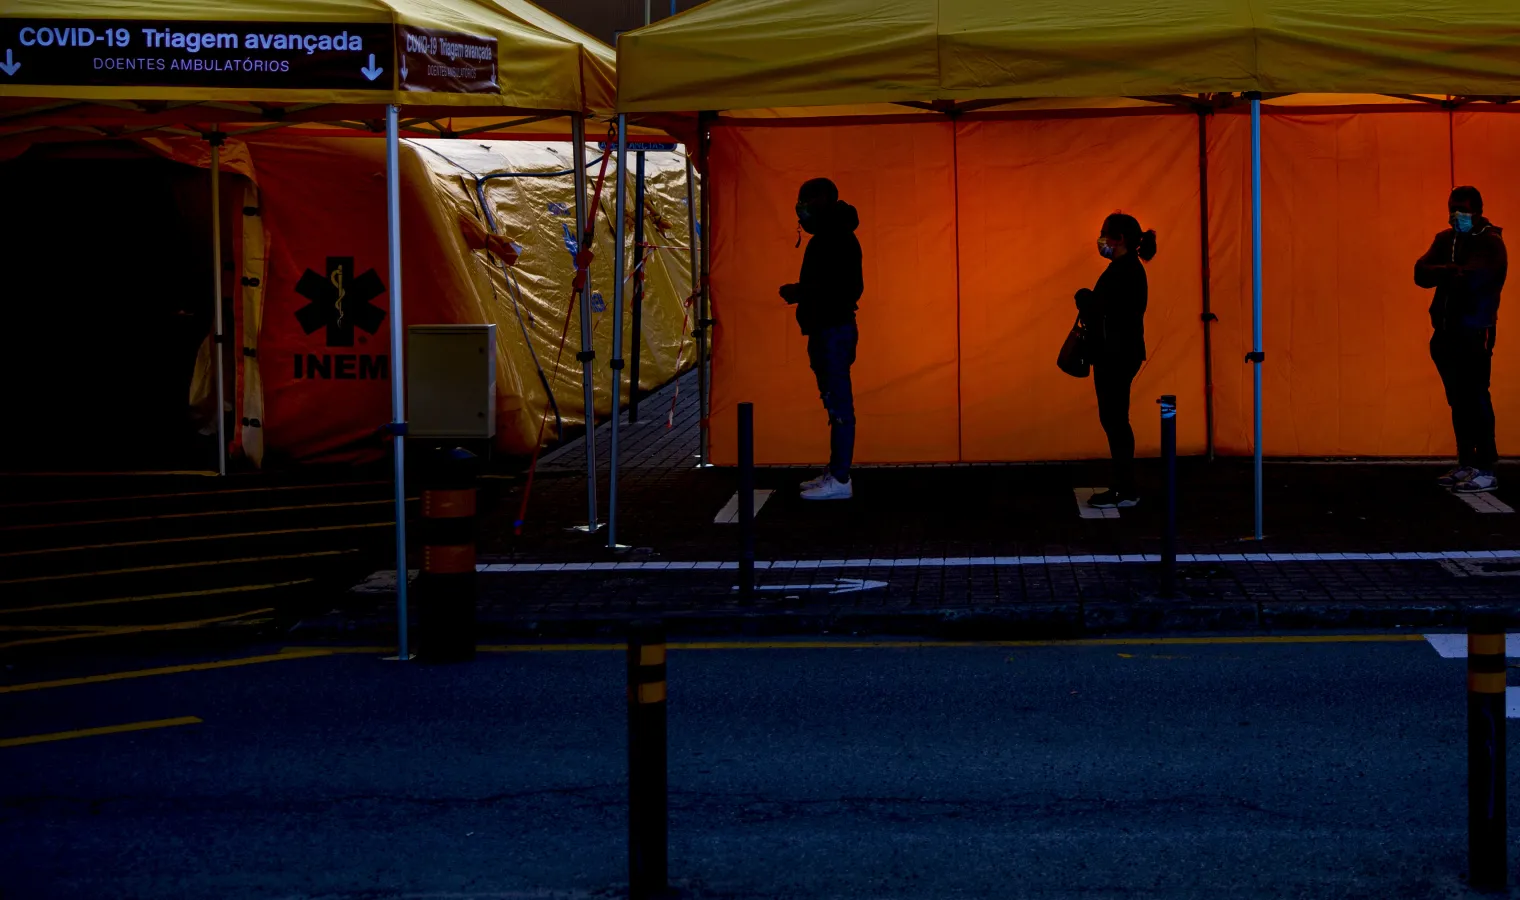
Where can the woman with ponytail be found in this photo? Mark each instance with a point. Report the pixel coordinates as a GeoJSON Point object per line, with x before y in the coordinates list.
{"type": "Point", "coordinates": [1113, 313]}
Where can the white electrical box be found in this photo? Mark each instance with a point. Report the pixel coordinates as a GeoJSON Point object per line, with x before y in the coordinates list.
{"type": "Point", "coordinates": [451, 381]}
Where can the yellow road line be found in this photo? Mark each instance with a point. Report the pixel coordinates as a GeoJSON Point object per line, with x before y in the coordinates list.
{"type": "Point", "coordinates": [214, 592]}
{"type": "Point", "coordinates": [198, 515]}
{"type": "Point", "coordinates": [188, 565]}
{"type": "Point", "coordinates": [875, 645]}
{"type": "Point", "coordinates": [293, 653]}
{"type": "Point", "coordinates": [92, 732]}
{"type": "Point", "coordinates": [135, 629]}
{"type": "Point", "coordinates": [199, 537]}
{"type": "Point", "coordinates": [32, 504]}
{"type": "Point", "coordinates": [161, 670]}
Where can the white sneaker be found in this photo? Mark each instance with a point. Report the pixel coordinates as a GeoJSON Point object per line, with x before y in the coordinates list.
{"type": "Point", "coordinates": [814, 483]}
{"type": "Point", "coordinates": [1481, 482]}
{"type": "Point", "coordinates": [829, 489]}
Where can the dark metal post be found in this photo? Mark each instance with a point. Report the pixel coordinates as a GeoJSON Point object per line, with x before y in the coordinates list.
{"type": "Point", "coordinates": [1488, 861]}
{"type": "Point", "coordinates": [746, 501]}
{"type": "Point", "coordinates": [446, 585]}
{"type": "Point", "coordinates": [1169, 460]}
{"type": "Point", "coordinates": [639, 259]}
{"type": "Point", "coordinates": [648, 807]}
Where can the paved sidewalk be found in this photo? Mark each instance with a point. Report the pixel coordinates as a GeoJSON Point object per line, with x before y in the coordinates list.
{"type": "Point", "coordinates": [983, 551]}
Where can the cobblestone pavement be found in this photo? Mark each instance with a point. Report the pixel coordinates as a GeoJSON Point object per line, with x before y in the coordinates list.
{"type": "Point", "coordinates": [979, 549]}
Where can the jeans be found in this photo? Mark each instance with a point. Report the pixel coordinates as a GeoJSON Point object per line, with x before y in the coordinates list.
{"type": "Point", "coordinates": [1465, 359]}
{"type": "Point", "coordinates": [831, 352]}
{"type": "Point", "coordinates": [1112, 380]}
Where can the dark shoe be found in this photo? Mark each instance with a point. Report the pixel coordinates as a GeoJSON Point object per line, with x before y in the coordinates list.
{"type": "Point", "coordinates": [1481, 482]}
{"type": "Point", "coordinates": [1113, 500]}
{"type": "Point", "coordinates": [1456, 476]}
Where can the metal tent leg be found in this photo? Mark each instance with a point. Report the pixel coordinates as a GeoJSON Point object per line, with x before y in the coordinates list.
{"type": "Point", "coordinates": [398, 394]}
{"type": "Point", "coordinates": [619, 266]}
{"type": "Point", "coordinates": [704, 302]}
{"type": "Point", "coordinates": [1257, 357]}
{"type": "Point", "coordinates": [696, 286]}
{"type": "Point", "coordinates": [584, 216]}
{"type": "Point", "coordinates": [220, 338]}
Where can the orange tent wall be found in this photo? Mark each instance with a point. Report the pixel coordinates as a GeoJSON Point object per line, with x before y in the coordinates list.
{"type": "Point", "coordinates": [902, 179]}
{"type": "Point", "coordinates": [975, 240]}
{"type": "Point", "coordinates": [1033, 196]}
{"type": "Point", "coordinates": [1350, 201]}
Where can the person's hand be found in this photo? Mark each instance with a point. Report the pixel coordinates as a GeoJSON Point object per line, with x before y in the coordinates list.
{"type": "Point", "coordinates": [1083, 296]}
{"type": "Point", "coordinates": [789, 293]}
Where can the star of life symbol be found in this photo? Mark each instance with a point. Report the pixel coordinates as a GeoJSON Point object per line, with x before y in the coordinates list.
{"type": "Point", "coordinates": [340, 302]}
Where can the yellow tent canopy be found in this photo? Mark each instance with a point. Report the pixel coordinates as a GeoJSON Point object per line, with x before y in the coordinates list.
{"type": "Point", "coordinates": [546, 70]}
{"type": "Point", "coordinates": [745, 54]}
{"type": "Point", "coordinates": [440, 54]}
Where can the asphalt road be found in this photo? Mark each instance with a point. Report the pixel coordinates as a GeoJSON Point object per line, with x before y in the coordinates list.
{"type": "Point", "coordinates": [1187, 770]}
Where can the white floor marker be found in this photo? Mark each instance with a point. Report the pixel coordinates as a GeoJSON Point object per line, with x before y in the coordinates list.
{"type": "Point", "coordinates": [1087, 512]}
{"type": "Point", "coordinates": [977, 562]}
{"type": "Point", "coordinates": [729, 514]}
{"type": "Point", "coordinates": [1485, 503]}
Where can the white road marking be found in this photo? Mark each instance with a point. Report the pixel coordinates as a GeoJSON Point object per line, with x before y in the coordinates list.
{"type": "Point", "coordinates": [973, 562]}
{"type": "Point", "coordinates": [729, 514]}
{"type": "Point", "coordinates": [840, 586]}
{"type": "Point", "coordinates": [1454, 646]}
{"type": "Point", "coordinates": [1087, 512]}
{"type": "Point", "coordinates": [1484, 503]}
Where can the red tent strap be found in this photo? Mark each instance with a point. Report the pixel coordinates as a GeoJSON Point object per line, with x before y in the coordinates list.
{"type": "Point", "coordinates": [670, 417]}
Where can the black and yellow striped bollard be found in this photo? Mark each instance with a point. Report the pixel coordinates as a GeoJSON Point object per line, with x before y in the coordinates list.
{"type": "Point", "coordinates": [1488, 861]}
{"type": "Point", "coordinates": [445, 588]}
{"type": "Point", "coordinates": [648, 811]}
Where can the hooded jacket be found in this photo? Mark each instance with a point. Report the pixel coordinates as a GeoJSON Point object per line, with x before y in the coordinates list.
{"type": "Point", "coordinates": [1467, 271]}
{"type": "Point", "coordinates": [828, 290]}
{"type": "Point", "coordinates": [1114, 312]}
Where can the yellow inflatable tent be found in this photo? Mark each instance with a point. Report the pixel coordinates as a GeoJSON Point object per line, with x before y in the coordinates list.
{"type": "Point", "coordinates": [284, 118]}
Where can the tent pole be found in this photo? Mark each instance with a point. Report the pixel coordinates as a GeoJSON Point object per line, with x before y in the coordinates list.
{"type": "Point", "coordinates": [216, 293]}
{"type": "Point", "coordinates": [584, 216]}
{"type": "Point", "coordinates": [1257, 357]}
{"type": "Point", "coordinates": [696, 288]}
{"type": "Point", "coordinates": [619, 267]}
{"type": "Point", "coordinates": [398, 395]}
{"type": "Point", "coordinates": [704, 300]}
{"type": "Point", "coordinates": [1208, 312]}
{"type": "Point", "coordinates": [640, 266]}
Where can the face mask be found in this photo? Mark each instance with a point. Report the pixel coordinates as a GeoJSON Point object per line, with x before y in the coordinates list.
{"type": "Point", "coordinates": [1105, 249]}
{"type": "Point", "coordinates": [804, 212]}
{"type": "Point", "coordinates": [1462, 221]}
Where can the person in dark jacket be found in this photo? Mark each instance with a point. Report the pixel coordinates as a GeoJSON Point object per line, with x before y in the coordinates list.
{"type": "Point", "coordinates": [1466, 264]}
{"type": "Point", "coordinates": [826, 296]}
{"type": "Point", "coordinates": [1113, 315]}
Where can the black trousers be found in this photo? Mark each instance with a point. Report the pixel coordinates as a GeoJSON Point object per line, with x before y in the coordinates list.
{"type": "Point", "coordinates": [831, 352]}
{"type": "Point", "coordinates": [1465, 359]}
{"type": "Point", "coordinates": [1112, 381]}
